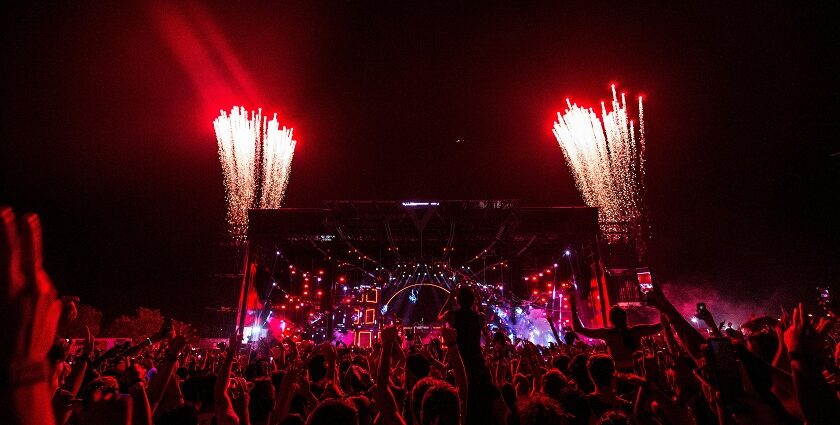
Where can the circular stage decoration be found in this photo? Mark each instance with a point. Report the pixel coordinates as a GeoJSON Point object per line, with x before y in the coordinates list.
{"type": "Point", "coordinates": [416, 303]}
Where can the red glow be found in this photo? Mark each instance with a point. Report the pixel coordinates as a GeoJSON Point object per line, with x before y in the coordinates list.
{"type": "Point", "coordinates": [218, 76]}
{"type": "Point", "coordinates": [191, 51]}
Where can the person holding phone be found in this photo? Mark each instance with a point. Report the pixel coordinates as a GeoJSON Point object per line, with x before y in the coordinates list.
{"type": "Point", "coordinates": [622, 340]}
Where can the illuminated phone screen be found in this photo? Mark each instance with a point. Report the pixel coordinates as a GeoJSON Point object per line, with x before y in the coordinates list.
{"type": "Point", "coordinates": [645, 281]}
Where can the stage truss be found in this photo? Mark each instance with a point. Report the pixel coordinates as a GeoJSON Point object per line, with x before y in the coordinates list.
{"type": "Point", "coordinates": [320, 266]}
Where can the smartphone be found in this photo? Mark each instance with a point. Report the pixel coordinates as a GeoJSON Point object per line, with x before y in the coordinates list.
{"type": "Point", "coordinates": [701, 308]}
{"type": "Point", "coordinates": [723, 370]}
{"type": "Point", "coordinates": [645, 282]}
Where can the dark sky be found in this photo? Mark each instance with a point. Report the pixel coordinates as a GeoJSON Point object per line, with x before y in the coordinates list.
{"type": "Point", "coordinates": [107, 111]}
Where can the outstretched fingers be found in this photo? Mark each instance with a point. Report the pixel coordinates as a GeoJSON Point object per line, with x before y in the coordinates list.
{"type": "Point", "coordinates": [11, 274]}
{"type": "Point", "coordinates": [802, 320]}
{"type": "Point", "coordinates": [27, 285]}
{"type": "Point", "coordinates": [32, 259]}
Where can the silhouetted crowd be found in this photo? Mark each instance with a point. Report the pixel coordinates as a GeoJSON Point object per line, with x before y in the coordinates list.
{"type": "Point", "coordinates": [773, 370]}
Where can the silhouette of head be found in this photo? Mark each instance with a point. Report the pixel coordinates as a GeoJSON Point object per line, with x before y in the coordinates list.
{"type": "Point", "coordinates": [466, 297]}
{"type": "Point", "coordinates": [618, 317]}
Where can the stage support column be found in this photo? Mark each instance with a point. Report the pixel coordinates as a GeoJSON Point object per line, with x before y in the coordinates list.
{"type": "Point", "coordinates": [330, 276]}
{"type": "Point", "coordinates": [516, 286]}
{"type": "Point", "coordinates": [243, 290]}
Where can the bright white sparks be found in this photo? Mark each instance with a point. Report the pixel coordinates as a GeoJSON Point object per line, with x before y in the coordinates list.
{"type": "Point", "coordinates": [278, 149]}
{"type": "Point", "coordinates": [256, 157]}
{"type": "Point", "coordinates": [606, 158]}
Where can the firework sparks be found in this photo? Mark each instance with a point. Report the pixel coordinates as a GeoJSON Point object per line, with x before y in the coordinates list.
{"type": "Point", "coordinates": [606, 158]}
{"type": "Point", "coordinates": [256, 156]}
{"type": "Point", "coordinates": [278, 149]}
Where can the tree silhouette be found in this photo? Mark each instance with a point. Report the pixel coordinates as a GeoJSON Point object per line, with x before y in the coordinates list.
{"type": "Point", "coordinates": [145, 323]}
{"type": "Point", "coordinates": [87, 316]}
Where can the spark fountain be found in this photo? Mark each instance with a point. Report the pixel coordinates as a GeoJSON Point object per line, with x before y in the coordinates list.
{"type": "Point", "coordinates": [256, 157]}
{"type": "Point", "coordinates": [607, 157]}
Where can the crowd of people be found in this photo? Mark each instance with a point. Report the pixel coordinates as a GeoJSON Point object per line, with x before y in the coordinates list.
{"type": "Point", "coordinates": [772, 371]}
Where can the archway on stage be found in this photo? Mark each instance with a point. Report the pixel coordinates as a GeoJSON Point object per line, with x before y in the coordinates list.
{"type": "Point", "coordinates": [416, 304]}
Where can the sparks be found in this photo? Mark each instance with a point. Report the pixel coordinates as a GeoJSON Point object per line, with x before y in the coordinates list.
{"type": "Point", "coordinates": [256, 156]}
{"type": "Point", "coordinates": [278, 149]}
{"type": "Point", "coordinates": [606, 158]}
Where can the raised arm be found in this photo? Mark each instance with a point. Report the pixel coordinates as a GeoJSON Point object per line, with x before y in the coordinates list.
{"type": "Point", "coordinates": [553, 330]}
{"type": "Point", "coordinates": [453, 357]}
{"type": "Point", "coordinates": [781, 359]}
{"type": "Point", "coordinates": [805, 347]}
{"type": "Point", "coordinates": [31, 312]}
{"type": "Point", "coordinates": [647, 330]}
{"type": "Point", "coordinates": [669, 409]}
{"type": "Point", "coordinates": [399, 353]}
{"type": "Point", "coordinates": [706, 316]}
{"type": "Point", "coordinates": [225, 415]}
{"type": "Point", "coordinates": [670, 341]}
{"type": "Point", "coordinates": [77, 373]}
{"type": "Point", "coordinates": [431, 358]}
{"type": "Point", "coordinates": [388, 413]}
{"type": "Point", "coordinates": [286, 392]}
{"type": "Point", "coordinates": [157, 387]}
{"type": "Point", "coordinates": [141, 411]}
{"type": "Point", "coordinates": [691, 339]}
{"type": "Point", "coordinates": [577, 325]}
{"type": "Point", "coordinates": [443, 315]}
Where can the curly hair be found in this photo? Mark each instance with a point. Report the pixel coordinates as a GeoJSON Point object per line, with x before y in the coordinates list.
{"type": "Point", "coordinates": [542, 410]}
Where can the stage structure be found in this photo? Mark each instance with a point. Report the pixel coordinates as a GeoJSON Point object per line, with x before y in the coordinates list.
{"type": "Point", "coordinates": [346, 268]}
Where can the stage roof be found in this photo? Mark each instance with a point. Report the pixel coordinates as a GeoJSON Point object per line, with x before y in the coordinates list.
{"type": "Point", "coordinates": [457, 232]}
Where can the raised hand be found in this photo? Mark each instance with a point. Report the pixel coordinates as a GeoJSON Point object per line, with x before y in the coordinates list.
{"type": "Point", "coordinates": [29, 312]}
{"type": "Point", "coordinates": [69, 312]}
{"type": "Point", "coordinates": [31, 295]}
{"type": "Point", "coordinates": [87, 348]}
{"type": "Point", "coordinates": [389, 335]}
{"type": "Point", "coordinates": [706, 316]}
{"type": "Point", "coordinates": [184, 335]}
{"type": "Point", "coordinates": [801, 337]}
{"type": "Point", "coordinates": [657, 299]}
{"type": "Point", "coordinates": [28, 295]}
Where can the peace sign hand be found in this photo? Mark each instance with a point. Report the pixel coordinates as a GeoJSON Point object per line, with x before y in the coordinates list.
{"type": "Point", "coordinates": [27, 295]}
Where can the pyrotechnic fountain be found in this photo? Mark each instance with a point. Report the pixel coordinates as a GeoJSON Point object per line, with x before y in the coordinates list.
{"type": "Point", "coordinates": [607, 158]}
{"type": "Point", "coordinates": [256, 157]}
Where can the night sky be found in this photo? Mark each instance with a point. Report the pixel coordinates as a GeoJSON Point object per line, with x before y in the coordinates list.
{"type": "Point", "coordinates": [107, 127]}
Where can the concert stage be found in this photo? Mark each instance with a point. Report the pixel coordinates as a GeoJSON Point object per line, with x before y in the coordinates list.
{"type": "Point", "coordinates": [344, 269]}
